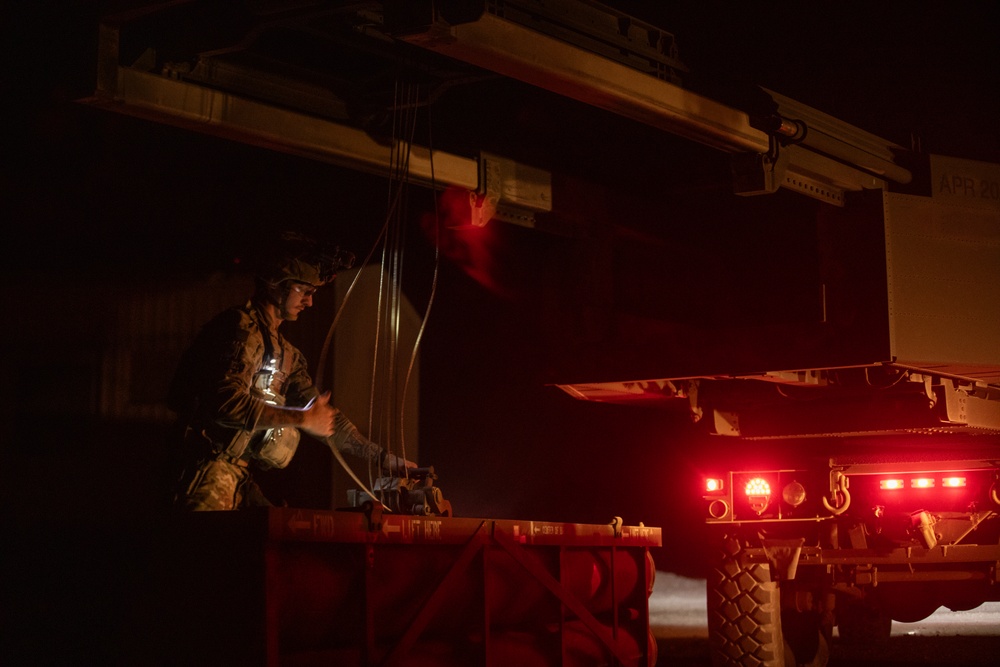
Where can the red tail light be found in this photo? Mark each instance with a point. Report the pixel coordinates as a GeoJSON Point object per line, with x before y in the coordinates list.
{"type": "Point", "coordinates": [758, 486]}
{"type": "Point", "coordinates": [713, 485]}
{"type": "Point", "coordinates": [758, 493]}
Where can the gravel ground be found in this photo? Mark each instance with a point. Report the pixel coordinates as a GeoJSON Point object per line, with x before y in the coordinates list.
{"type": "Point", "coordinates": [946, 638]}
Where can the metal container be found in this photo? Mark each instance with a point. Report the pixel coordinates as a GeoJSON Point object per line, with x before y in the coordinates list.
{"type": "Point", "coordinates": [293, 587]}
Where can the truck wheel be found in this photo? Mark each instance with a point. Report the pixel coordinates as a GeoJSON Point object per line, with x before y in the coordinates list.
{"type": "Point", "coordinates": [744, 612]}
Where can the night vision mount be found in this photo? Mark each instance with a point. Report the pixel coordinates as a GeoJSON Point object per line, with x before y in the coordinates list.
{"type": "Point", "coordinates": [327, 258]}
{"type": "Point", "coordinates": [331, 260]}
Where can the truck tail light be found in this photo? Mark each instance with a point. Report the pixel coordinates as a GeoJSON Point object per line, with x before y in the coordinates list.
{"type": "Point", "coordinates": [713, 485]}
{"type": "Point", "coordinates": [898, 484]}
{"type": "Point", "coordinates": [758, 486]}
{"type": "Point", "coordinates": [758, 493]}
{"type": "Point", "coordinates": [951, 489]}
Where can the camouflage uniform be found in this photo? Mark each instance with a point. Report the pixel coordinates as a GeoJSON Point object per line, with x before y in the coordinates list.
{"type": "Point", "coordinates": [235, 367]}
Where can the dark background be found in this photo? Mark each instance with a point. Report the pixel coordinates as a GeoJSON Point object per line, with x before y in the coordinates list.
{"type": "Point", "coordinates": [94, 202]}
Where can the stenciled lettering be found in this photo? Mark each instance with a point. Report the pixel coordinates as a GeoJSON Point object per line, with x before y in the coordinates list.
{"type": "Point", "coordinates": [966, 186]}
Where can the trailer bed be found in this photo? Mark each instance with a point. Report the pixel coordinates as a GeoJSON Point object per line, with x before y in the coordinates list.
{"type": "Point", "coordinates": [301, 587]}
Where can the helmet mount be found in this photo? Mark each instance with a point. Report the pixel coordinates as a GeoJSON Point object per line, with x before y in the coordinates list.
{"type": "Point", "coordinates": [301, 259]}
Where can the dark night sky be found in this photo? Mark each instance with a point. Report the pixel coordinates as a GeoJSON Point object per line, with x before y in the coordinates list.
{"type": "Point", "coordinates": [95, 197]}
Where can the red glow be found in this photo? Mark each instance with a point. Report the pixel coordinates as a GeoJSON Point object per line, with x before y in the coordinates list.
{"type": "Point", "coordinates": [758, 494]}
{"type": "Point", "coordinates": [473, 248]}
{"type": "Point", "coordinates": [758, 487]}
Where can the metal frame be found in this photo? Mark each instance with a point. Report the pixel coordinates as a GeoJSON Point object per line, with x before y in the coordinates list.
{"type": "Point", "coordinates": [830, 158]}
{"type": "Point", "coordinates": [474, 540]}
{"type": "Point", "coordinates": [811, 153]}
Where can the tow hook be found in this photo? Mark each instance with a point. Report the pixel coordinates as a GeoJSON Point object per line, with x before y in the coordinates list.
{"type": "Point", "coordinates": [840, 497]}
{"type": "Point", "coordinates": [783, 557]}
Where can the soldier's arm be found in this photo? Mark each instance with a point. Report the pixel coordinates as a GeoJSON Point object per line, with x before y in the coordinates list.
{"type": "Point", "coordinates": [347, 438]}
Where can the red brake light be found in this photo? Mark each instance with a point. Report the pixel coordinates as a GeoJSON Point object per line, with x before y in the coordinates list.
{"type": "Point", "coordinates": [758, 494]}
{"type": "Point", "coordinates": [758, 487]}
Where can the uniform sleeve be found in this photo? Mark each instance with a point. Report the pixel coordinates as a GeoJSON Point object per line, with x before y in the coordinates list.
{"type": "Point", "coordinates": [219, 372]}
{"type": "Point", "coordinates": [297, 390]}
{"type": "Point", "coordinates": [299, 387]}
{"type": "Point", "coordinates": [232, 351]}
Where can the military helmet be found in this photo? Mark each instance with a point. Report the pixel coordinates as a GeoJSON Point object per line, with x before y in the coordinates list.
{"type": "Point", "coordinates": [301, 259]}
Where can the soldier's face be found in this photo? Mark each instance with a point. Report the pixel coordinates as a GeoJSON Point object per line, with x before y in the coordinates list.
{"type": "Point", "coordinates": [298, 298]}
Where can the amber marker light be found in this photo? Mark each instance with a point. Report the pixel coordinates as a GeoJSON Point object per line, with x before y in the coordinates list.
{"type": "Point", "coordinates": [922, 482]}
{"type": "Point", "coordinates": [891, 484]}
{"type": "Point", "coordinates": [953, 482]}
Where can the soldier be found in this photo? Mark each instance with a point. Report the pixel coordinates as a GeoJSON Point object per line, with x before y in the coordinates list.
{"type": "Point", "coordinates": [242, 391]}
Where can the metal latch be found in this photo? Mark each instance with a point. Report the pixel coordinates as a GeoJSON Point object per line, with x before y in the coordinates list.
{"type": "Point", "coordinates": [783, 557]}
{"type": "Point", "coordinates": [510, 192]}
